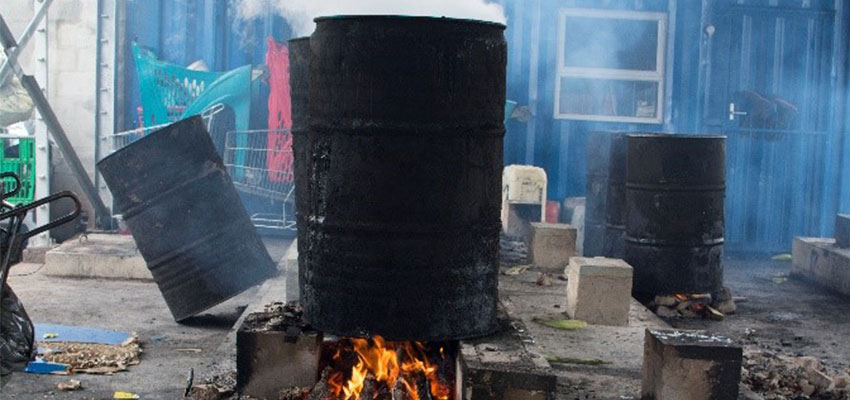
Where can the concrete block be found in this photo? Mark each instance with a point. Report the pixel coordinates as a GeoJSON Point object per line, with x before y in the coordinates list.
{"type": "Point", "coordinates": [693, 365]}
{"type": "Point", "coordinates": [574, 214]}
{"type": "Point", "coordinates": [599, 290]}
{"type": "Point", "coordinates": [819, 260]}
{"type": "Point", "coordinates": [502, 367]}
{"type": "Point", "coordinates": [107, 256]}
{"type": "Point", "coordinates": [36, 254]}
{"type": "Point", "coordinates": [550, 246]}
{"type": "Point", "coordinates": [272, 355]}
{"type": "Point", "coordinates": [842, 230]}
{"type": "Point", "coordinates": [290, 267]}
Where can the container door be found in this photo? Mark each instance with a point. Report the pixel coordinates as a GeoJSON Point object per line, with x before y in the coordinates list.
{"type": "Point", "coordinates": [767, 86]}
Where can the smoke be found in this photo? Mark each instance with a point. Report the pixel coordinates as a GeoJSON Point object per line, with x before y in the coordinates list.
{"type": "Point", "coordinates": [300, 13]}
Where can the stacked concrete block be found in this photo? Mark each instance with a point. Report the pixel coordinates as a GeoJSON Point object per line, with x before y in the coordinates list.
{"type": "Point", "coordinates": [693, 365]}
{"type": "Point", "coordinates": [842, 230]}
{"type": "Point", "coordinates": [550, 246]}
{"type": "Point", "coordinates": [599, 290]}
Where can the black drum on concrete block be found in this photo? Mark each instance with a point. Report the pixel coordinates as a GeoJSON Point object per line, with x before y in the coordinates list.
{"type": "Point", "coordinates": [675, 185]}
{"type": "Point", "coordinates": [186, 217]}
{"type": "Point", "coordinates": [598, 146]}
{"type": "Point", "coordinates": [406, 123]}
{"type": "Point", "coordinates": [615, 206]}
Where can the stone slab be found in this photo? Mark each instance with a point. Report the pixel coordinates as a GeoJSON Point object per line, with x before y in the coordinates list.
{"type": "Point", "coordinates": [96, 255]}
{"type": "Point", "coordinates": [820, 261]}
{"type": "Point", "coordinates": [504, 366]}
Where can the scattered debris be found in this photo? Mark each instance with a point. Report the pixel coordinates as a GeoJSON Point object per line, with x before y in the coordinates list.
{"type": "Point", "coordinates": [219, 387]}
{"type": "Point", "coordinates": [157, 338]}
{"type": "Point", "coordinates": [69, 386]}
{"type": "Point", "coordinates": [190, 380]}
{"type": "Point", "coordinates": [92, 358]}
{"type": "Point", "coordinates": [515, 270]}
{"type": "Point", "coordinates": [778, 377]}
{"type": "Point", "coordinates": [779, 279]}
{"type": "Point", "coordinates": [578, 361]}
{"type": "Point", "coordinates": [125, 395]}
{"type": "Point", "coordinates": [564, 324]}
{"type": "Point", "coordinates": [784, 257]}
{"type": "Point", "coordinates": [544, 279]}
{"type": "Point", "coordinates": [189, 350]}
{"type": "Point", "coordinates": [49, 336]}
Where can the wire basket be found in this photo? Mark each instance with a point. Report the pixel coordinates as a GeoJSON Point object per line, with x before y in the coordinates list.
{"type": "Point", "coordinates": [260, 163]}
{"type": "Point", "coordinates": [117, 141]}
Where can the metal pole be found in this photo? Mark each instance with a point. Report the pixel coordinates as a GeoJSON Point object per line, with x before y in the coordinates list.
{"type": "Point", "coordinates": [64, 145]}
{"type": "Point", "coordinates": [43, 106]}
{"type": "Point", "coordinates": [42, 136]}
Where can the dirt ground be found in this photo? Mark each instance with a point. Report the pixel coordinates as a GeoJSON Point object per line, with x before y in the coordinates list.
{"type": "Point", "coordinates": [785, 316]}
{"type": "Point", "coordinates": [170, 349]}
{"type": "Point", "coordinates": [788, 317]}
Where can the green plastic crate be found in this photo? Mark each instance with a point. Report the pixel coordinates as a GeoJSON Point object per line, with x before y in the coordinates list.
{"type": "Point", "coordinates": [23, 165]}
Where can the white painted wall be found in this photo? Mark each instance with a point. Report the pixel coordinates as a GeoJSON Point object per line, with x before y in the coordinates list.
{"type": "Point", "coordinates": [71, 53]}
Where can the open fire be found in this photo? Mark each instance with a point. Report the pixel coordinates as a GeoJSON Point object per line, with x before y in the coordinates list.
{"type": "Point", "coordinates": [697, 305]}
{"type": "Point", "coordinates": [379, 369]}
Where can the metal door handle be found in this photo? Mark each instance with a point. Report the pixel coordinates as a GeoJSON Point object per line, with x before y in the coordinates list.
{"type": "Point", "coordinates": [733, 113]}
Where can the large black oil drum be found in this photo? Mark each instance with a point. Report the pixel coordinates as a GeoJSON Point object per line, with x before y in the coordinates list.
{"type": "Point", "coordinates": [675, 186]}
{"type": "Point", "coordinates": [299, 84]}
{"type": "Point", "coordinates": [598, 146]}
{"type": "Point", "coordinates": [186, 217]}
{"type": "Point", "coordinates": [615, 206]}
{"type": "Point", "coordinates": [406, 122]}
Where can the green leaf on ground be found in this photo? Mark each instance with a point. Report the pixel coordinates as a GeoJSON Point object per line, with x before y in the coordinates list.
{"type": "Point", "coordinates": [785, 257]}
{"type": "Point", "coordinates": [578, 361]}
{"type": "Point", "coordinates": [564, 324]}
{"type": "Point", "coordinates": [516, 270]}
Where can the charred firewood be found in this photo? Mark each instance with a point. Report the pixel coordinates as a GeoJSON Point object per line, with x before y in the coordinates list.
{"type": "Point", "coordinates": [370, 387]}
{"type": "Point", "coordinates": [398, 390]}
{"type": "Point", "coordinates": [423, 387]}
{"type": "Point", "coordinates": [322, 390]}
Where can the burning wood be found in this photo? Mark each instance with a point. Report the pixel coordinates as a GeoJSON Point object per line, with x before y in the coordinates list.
{"type": "Point", "coordinates": [378, 369]}
{"type": "Point", "coordinates": [696, 305]}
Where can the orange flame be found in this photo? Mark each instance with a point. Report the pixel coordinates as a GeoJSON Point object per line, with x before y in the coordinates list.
{"type": "Point", "coordinates": [388, 363]}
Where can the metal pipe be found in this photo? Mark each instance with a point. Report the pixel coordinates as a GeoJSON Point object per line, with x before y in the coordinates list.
{"type": "Point", "coordinates": [18, 46]}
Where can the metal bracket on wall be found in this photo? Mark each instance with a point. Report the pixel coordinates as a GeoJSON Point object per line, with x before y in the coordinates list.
{"type": "Point", "coordinates": [12, 48]}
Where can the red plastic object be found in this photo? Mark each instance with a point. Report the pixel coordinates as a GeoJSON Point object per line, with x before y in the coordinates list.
{"type": "Point", "coordinates": [553, 211]}
{"type": "Point", "coordinates": [279, 154]}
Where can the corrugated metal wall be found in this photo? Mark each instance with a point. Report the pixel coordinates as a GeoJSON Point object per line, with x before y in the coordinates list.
{"type": "Point", "coordinates": [780, 184]}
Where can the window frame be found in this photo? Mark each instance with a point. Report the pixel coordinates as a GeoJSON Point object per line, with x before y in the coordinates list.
{"type": "Point", "coordinates": [657, 76]}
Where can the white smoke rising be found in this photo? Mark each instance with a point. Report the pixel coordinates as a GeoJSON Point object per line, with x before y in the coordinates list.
{"type": "Point", "coordinates": [300, 13]}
